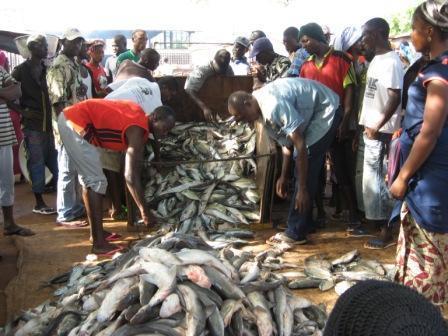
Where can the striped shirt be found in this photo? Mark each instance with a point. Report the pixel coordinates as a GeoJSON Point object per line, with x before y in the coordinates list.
{"type": "Point", "coordinates": [7, 134]}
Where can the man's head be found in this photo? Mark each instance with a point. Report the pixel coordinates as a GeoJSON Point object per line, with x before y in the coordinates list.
{"type": "Point", "coordinates": [263, 51]}
{"type": "Point", "coordinates": [312, 38]}
{"type": "Point", "coordinates": [221, 61]}
{"type": "Point", "coordinates": [72, 41]}
{"type": "Point", "coordinates": [240, 47]}
{"type": "Point", "coordinates": [255, 35]}
{"type": "Point", "coordinates": [243, 107]}
{"type": "Point", "coordinates": [139, 39]}
{"type": "Point", "coordinates": [37, 45]}
{"type": "Point", "coordinates": [375, 34]}
{"type": "Point", "coordinates": [162, 120]}
{"type": "Point", "coordinates": [119, 44]}
{"type": "Point", "coordinates": [96, 51]}
{"type": "Point", "coordinates": [169, 87]}
{"type": "Point", "coordinates": [291, 39]}
{"type": "Point", "coordinates": [150, 59]}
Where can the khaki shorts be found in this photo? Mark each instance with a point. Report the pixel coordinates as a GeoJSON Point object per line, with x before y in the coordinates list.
{"type": "Point", "coordinates": [111, 160]}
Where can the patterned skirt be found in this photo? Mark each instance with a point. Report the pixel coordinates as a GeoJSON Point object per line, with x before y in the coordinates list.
{"type": "Point", "coordinates": [422, 259]}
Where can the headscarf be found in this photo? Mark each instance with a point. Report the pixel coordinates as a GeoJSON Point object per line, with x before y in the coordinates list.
{"type": "Point", "coordinates": [436, 13]}
{"type": "Point", "coordinates": [314, 31]}
{"type": "Point", "coordinates": [347, 38]}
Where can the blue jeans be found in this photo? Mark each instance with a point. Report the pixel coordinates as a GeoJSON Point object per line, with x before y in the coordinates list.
{"type": "Point", "coordinates": [299, 223]}
{"type": "Point", "coordinates": [358, 172]}
{"type": "Point", "coordinates": [68, 201]}
{"type": "Point", "coordinates": [41, 153]}
{"type": "Point", "coordinates": [378, 202]}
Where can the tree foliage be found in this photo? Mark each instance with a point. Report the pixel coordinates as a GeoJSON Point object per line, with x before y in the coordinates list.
{"type": "Point", "coordinates": [400, 23]}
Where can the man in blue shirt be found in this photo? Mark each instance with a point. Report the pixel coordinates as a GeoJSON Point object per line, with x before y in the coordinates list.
{"type": "Point", "coordinates": [302, 115]}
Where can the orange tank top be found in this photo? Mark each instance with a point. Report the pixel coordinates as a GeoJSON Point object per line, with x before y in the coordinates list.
{"type": "Point", "coordinates": [103, 123]}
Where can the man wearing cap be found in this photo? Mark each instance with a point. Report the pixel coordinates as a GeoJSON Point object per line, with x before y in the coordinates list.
{"type": "Point", "coordinates": [118, 47]}
{"type": "Point", "coordinates": [335, 70]}
{"type": "Point", "coordinates": [239, 63]}
{"type": "Point", "coordinates": [99, 77]}
{"type": "Point", "coordinates": [297, 54]}
{"type": "Point", "coordinates": [220, 66]}
{"type": "Point", "coordinates": [139, 40]}
{"type": "Point", "coordinates": [65, 88]}
{"type": "Point", "coordinates": [276, 66]}
{"type": "Point", "coordinates": [35, 109]}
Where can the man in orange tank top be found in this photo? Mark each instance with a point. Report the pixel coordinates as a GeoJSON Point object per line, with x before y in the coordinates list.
{"type": "Point", "coordinates": [119, 125]}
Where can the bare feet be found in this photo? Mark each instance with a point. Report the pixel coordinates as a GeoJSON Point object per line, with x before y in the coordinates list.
{"type": "Point", "coordinates": [18, 230]}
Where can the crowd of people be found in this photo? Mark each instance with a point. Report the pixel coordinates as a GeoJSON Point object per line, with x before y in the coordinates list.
{"type": "Point", "coordinates": [349, 103]}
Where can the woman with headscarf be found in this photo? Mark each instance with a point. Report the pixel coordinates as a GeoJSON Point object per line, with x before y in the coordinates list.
{"type": "Point", "coordinates": [422, 183]}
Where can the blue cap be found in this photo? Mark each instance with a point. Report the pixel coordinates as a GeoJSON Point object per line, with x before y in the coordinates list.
{"type": "Point", "coordinates": [260, 45]}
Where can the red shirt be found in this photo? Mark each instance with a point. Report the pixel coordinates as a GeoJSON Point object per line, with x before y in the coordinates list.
{"type": "Point", "coordinates": [332, 73]}
{"type": "Point", "coordinates": [99, 76]}
{"type": "Point", "coordinates": [103, 123]}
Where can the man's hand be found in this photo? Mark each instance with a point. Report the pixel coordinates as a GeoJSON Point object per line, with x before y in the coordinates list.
{"type": "Point", "coordinates": [302, 202]}
{"type": "Point", "coordinates": [399, 188]}
{"type": "Point", "coordinates": [209, 114]}
{"type": "Point", "coordinates": [282, 187]}
{"type": "Point", "coordinates": [371, 133]}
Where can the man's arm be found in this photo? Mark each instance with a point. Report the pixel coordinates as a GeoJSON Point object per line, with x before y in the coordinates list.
{"type": "Point", "coordinates": [394, 99]}
{"type": "Point", "coordinates": [209, 115]}
{"type": "Point", "coordinates": [10, 92]}
{"type": "Point", "coordinates": [133, 166]}
{"type": "Point", "coordinates": [302, 201]}
{"type": "Point", "coordinates": [349, 92]}
{"type": "Point", "coordinates": [283, 181]}
{"type": "Point", "coordinates": [57, 81]}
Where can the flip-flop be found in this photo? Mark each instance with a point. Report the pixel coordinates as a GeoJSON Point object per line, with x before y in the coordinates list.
{"type": "Point", "coordinates": [44, 211]}
{"type": "Point", "coordinates": [113, 237]}
{"type": "Point", "coordinates": [73, 224]}
{"type": "Point", "coordinates": [20, 231]}
{"type": "Point", "coordinates": [378, 244]}
{"type": "Point", "coordinates": [281, 237]}
{"type": "Point", "coordinates": [121, 216]}
{"type": "Point", "coordinates": [111, 253]}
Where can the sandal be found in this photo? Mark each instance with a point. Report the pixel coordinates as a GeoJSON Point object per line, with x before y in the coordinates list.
{"type": "Point", "coordinates": [121, 216]}
{"type": "Point", "coordinates": [19, 231]}
{"type": "Point", "coordinates": [44, 211]}
{"type": "Point", "coordinates": [111, 253]}
{"type": "Point", "coordinates": [281, 237]}
{"type": "Point", "coordinates": [74, 224]}
{"type": "Point", "coordinates": [378, 244]}
{"type": "Point", "coordinates": [113, 236]}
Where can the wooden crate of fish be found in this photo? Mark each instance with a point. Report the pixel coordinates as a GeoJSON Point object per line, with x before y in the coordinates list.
{"type": "Point", "coordinates": [209, 174]}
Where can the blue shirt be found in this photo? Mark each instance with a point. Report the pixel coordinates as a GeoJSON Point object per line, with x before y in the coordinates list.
{"type": "Point", "coordinates": [300, 56]}
{"type": "Point", "coordinates": [427, 197]}
{"type": "Point", "coordinates": [288, 104]}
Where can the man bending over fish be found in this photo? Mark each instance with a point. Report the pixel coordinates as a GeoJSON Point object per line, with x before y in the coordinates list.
{"type": "Point", "coordinates": [302, 115]}
{"type": "Point", "coordinates": [119, 125]}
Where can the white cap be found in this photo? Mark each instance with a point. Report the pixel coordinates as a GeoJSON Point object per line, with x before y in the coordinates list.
{"type": "Point", "coordinates": [35, 38]}
{"type": "Point", "coordinates": [72, 34]}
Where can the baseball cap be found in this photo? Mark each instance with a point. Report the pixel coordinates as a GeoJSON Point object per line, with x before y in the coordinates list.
{"type": "Point", "coordinates": [243, 41]}
{"type": "Point", "coordinates": [72, 34]}
{"type": "Point", "coordinates": [260, 45]}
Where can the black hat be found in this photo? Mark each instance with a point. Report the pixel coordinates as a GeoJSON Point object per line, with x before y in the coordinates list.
{"type": "Point", "coordinates": [380, 308]}
{"type": "Point", "coordinates": [314, 31]}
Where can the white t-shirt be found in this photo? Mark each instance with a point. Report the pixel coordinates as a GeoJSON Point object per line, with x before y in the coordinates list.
{"type": "Point", "coordinates": [138, 90]}
{"type": "Point", "coordinates": [385, 72]}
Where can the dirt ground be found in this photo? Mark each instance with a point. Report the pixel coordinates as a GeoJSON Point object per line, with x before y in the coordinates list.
{"type": "Point", "coordinates": [53, 250]}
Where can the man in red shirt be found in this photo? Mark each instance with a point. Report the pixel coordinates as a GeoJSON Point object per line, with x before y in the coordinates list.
{"type": "Point", "coordinates": [119, 125]}
{"type": "Point", "coordinates": [335, 70]}
{"type": "Point", "coordinates": [99, 76]}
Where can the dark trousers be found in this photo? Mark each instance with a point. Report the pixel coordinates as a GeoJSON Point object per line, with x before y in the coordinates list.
{"type": "Point", "coordinates": [300, 223]}
{"type": "Point", "coordinates": [41, 153]}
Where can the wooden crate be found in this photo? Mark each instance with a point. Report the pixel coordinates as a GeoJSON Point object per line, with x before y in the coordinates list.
{"type": "Point", "coordinates": [215, 93]}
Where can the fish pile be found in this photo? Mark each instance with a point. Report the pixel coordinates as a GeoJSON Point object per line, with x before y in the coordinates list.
{"type": "Point", "coordinates": [341, 273]}
{"type": "Point", "coordinates": [175, 284]}
{"type": "Point", "coordinates": [196, 196]}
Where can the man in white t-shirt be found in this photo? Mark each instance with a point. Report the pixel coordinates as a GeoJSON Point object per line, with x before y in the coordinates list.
{"type": "Point", "coordinates": [380, 118]}
{"type": "Point", "coordinates": [139, 90]}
